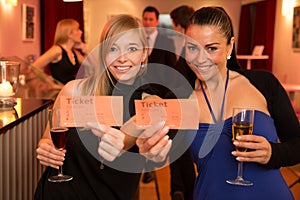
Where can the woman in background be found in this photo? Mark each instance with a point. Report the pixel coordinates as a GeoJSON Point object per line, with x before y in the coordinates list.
{"type": "Point", "coordinates": [64, 57]}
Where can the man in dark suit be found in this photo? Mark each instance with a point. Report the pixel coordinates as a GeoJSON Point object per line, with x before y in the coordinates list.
{"type": "Point", "coordinates": [162, 57]}
{"type": "Point", "coordinates": [162, 49]}
{"type": "Point", "coordinates": [161, 61]}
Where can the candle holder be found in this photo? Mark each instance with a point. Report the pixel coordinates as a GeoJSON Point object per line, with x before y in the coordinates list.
{"type": "Point", "coordinates": [9, 81]}
{"type": "Point", "coordinates": [8, 116]}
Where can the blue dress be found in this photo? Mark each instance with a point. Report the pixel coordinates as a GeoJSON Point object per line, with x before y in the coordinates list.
{"type": "Point", "coordinates": [220, 165]}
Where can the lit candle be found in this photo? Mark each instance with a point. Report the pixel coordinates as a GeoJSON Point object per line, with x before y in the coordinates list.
{"type": "Point", "coordinates": [6, 89]}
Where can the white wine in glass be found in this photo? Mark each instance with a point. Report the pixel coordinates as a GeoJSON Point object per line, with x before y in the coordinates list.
{"type": "Point", "coordinates": [59, 136]}
{"type": "Point", "coordinates": [242, 124]}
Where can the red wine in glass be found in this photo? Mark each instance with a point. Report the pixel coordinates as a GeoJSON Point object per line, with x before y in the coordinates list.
{"type": "Point", "coordinates": [59, 136]}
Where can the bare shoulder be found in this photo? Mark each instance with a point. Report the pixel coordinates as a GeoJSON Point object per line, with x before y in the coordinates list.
{"type": "Point", "coordinates": [239, 79]}
{"type": "Point", "coordinates": [242, 93]}
{"type": "Point", "coordinates": [55, 52]}
{"type": "Point", "coordinates": [238, 82]}
{"type": "Point", "coordinates": [69, 89]}
{"type": "Point", "coordinates": [234, 75]}
{"type": "Point", "coordinates": [55, 49]}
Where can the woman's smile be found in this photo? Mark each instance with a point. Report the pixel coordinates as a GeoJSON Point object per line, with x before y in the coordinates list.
{"type": "Point", "coordinates": [123, 69]}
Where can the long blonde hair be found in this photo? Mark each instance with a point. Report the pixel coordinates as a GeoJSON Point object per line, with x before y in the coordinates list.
{"type": "Point", "coordinates": [102, 83]}
{"type": "Point", "coordinates": [63, 29]}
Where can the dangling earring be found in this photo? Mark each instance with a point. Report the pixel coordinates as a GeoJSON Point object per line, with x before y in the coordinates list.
{"type": "Point", "coordinates": [228, 57]}
{"type": "Point", "coordinates": [142, 65]}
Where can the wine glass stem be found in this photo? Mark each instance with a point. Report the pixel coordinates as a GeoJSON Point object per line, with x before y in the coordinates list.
{"type": "Point", "coordinates": [240, 170]}
{"type": "Point", "coordinates": [60, 171]}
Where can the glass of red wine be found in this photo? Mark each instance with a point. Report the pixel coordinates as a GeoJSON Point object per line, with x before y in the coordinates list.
{"type": "Point", "coordinates": [59, 136]}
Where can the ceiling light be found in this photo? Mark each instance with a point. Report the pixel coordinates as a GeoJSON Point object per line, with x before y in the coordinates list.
{"type": "Point", "coordinates": [71, 0]}
{"type": "Point", "coordinates": [12, 2]}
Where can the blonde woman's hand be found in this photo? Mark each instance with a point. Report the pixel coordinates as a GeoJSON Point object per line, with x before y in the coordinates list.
{"type": "Point", "coordinates": [48, 155]}
{"type": "Point", "coordinates": [259, 149]}
{"type": "Point", "coordinates": [111, 141]}
{"type": "Point", "coordinates": [154, 143]}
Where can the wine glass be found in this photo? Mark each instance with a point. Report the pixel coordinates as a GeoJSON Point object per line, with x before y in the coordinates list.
{"type": "Point", "coordinates": [242, 124]}
{"type": "Point", "coordinates": [59, 136]}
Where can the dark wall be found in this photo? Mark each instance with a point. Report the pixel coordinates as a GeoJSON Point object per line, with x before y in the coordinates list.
{"type": "Point", "coordinates": [52, 11]}
{"type": "Point", "coordinates": [257, 24]}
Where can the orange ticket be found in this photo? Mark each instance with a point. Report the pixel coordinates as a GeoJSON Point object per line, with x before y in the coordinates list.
{"type": "Point", "coordinates": [76, 111]}
{"type": "Point", "coordinates": [177, 113]}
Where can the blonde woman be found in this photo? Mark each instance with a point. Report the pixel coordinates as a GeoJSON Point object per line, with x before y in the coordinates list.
{"type": "Point", "coordinates": [65, 56]}
{"type": "Point", "coordinates": [123, 55]}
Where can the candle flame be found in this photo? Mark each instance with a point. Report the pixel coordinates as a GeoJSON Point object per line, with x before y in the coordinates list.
{"type": "Point", "coordinates": [6, 89]}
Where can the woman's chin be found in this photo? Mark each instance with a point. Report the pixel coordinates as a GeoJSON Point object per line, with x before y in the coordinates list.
{"type": "Point", "coordinates": [126, 80]}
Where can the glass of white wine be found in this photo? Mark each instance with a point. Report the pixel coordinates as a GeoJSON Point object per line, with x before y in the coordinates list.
{"type": "Point", "coordinates": [242, 124]}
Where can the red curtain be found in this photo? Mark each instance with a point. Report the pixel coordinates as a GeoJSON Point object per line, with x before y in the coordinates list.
{"type": "Point", "coordinates": [257, 23]}
{"type": "Point", "coordinates": [52, 11]}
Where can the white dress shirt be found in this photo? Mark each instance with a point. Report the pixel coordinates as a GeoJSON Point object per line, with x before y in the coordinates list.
{"type": "Point", "coordinates": [151, 40]}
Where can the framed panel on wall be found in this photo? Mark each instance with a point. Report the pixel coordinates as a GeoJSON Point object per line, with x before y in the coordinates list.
{"type": "Point", "coordinates": [296, 29]}
{"type": "Point", "coordinates": [28, 22]}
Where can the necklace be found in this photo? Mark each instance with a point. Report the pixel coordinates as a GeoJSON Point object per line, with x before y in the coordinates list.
{"type": "Point", "coordinates": [223, 100]}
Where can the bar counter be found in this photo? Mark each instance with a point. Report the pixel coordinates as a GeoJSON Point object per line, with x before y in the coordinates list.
{"type": "Point", "coordinates": [20, 130]}
{"type": "Point", "coordinates": [25, 109]}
